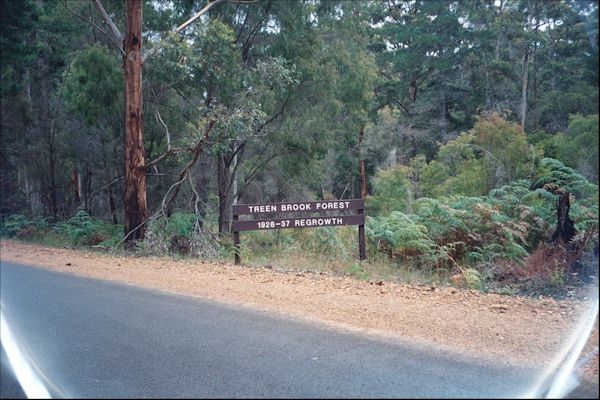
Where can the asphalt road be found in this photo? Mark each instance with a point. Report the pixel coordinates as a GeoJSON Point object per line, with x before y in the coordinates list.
{"type": "Point", "coordinates": [92, 338]}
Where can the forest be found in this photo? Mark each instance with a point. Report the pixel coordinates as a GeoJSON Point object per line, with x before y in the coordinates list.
{"type": "Point", "coordinates": [469, 127]}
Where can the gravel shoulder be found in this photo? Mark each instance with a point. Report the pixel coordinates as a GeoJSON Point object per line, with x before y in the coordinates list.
{"type": "Point", "coordinates": [519, 329]}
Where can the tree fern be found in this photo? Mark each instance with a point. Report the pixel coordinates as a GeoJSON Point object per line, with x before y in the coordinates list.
{"type": "Point", "coordinates": [554, 172]}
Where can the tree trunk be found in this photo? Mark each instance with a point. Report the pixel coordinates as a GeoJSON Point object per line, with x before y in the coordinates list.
{"type": "Point", "coordinates": [525, 75]}
{"type": "Point", "coordinates": [497, 49]}
{"type": "Point", "coordinates": [202, 188]}
{"type": "Point", "coordinates": [27, 89]}
{"type": "Point", "coordinates": [525, 78]}
{"type": "Point", "coordinates": [363, 180]}
{"type": "Point", "coordinates": [46, 128]}
{"type": "Point", "coordinates": [361, 164]}
{"type": "Point", "coordinates": [565, 228]}
{"type": "Point", "coordinates": [222, 183]}
{"type": "Point", "coordinates": [113, 206]}
{"type": "Point", "coordinates": [51, 172]}
{"type": "Point", "coordinates": [135, 165]}
{"type": "Point", "coordinates": [234, 180]}
{"type": "Point", "coordinates": [87, 193]}
{"type": "Point", "coordinates": [499, 36]}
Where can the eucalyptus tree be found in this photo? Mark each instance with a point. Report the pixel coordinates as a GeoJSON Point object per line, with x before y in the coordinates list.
{"type": "Point", "coordinates": [421, 49]}
{"type": "Point", "coordinates": [219, 80]}
{"type": "Point", "coordinates": [530, 57]}
{"type": "Point", "coordinates": [129, 45]}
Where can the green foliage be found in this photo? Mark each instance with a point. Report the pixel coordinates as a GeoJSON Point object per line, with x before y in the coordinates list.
{"type": "Point", "coordinates": [82, 229]}
{"type": "Point", "coordinates": [180, 234]}
{"type": "Point", "coordinates": [94, 83]}
{"type": "Point", "coordinates": [399, 234]}
{"type": "Point", "coordinates": [290, 88]}
{"type": "Point", "coordinates": [358, 270]}
{"type": "Point", "coordinates": [392, 191]}
{"type": "Point", "coordinates": [181, 223]}
{"type": "Point", "coordinates": [18, 225]}
{"type": "Point", "coordinates": [554, 175]}
{"type": "Point", "coordinates": [554, 172]}
{"type": "Point", "coordinates": [578, 146]}
{"type": "Point", "coordinates": [493, 153]}
{"type": "Point", "coordinates": [79, 230]}
{"type": "Point", "coordinates": [19, 19]}
{"type": "Point", "coordinates": [324, 243]}
{"type": "Point", "coordinates": [473, 279]}
{"type": "Point", "coordinates": [475, 233]}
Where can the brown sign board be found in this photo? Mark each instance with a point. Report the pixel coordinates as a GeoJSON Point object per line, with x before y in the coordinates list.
{"type": "Point", "coordinates": [325, 211]}
{"type": "Point", "coordinates": [304, 206]}
{"type": "Point", "coordinates": [308, 222]}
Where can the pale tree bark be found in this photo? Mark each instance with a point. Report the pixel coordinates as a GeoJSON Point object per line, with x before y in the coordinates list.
{"type": "Point", "coordinates": [234, 185]}
{"type": "Point", "coordinates": [361, 165]}
{"type": "Point", "coordinates": [116, 34]}
{"type": "Point", "coordinates": [45, 125]}
{"type": "Point", "coordinates": [527, 58]}
{"type": "Point", "coordinates": [524, 87]}
{"type": "Point", "coordinates": [223, 188]}
{"type": "Point", "coordinates": [499, 34]}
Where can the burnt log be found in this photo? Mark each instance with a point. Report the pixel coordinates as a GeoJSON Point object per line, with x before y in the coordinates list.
{"type": "Point", "coordinates": [565, 227]}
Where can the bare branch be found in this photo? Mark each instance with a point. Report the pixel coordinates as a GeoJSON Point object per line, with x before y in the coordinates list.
{"type": "Point", "coordinates": [172, 150]}
{"type": "Point", "coordinates": [115, 31]}
{"type": "Point", "coordinates": [187, 23]}
{"type": "Point", "coordinates": [58, 104]}
{"type": "Point", "coordinates": [89, 21]}
{"type": "Point", "coordinates": [206, 8]}
{"type": "Point", "coordinates": [174, 189]}
{"type": "Point", "coordinates": [250, 176]}
{"type": "Point", "coordinates": [131, 231]}
{"type": "Point", "coordinates": [200, 13]}
{"type": "Point", "coordinates": [239, 149]}
{"type": "Point", "coordinates": [196, 195]}
{"type": "Point", "coordinates": [150, 52]}
{"type": "Point", "coordinates": [165, 128]}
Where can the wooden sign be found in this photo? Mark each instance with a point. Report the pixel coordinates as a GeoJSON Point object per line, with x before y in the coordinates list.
{"type": "Point", "coordinates": [308, 206]}
{"type": "Point", "coordinates": [325, 213]}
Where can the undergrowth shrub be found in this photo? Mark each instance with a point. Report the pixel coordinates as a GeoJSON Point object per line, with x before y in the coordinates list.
{"type": "Point", "coordinates": [21, 227]}
{"type": "Point", "coordinates": [179, 234]}
{"type": "Point", "coordinates": [82, 229]}
{"type": "Point", "coordinates": [399, 235]}
{"type": "Point", "coordinates": [496, 238]}
{"type": "Point", "coordinates": [392, 191]}
{"type": "Point", "coordinates": [79, 230]}
{"type": "Point", "coordinates": [545, 270]}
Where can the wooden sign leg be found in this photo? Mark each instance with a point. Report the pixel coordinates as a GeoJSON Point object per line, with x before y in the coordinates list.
{"type": "Point", "coordinates": [361, 240]}
{"type": "Point", "coordinates": [236, 244]}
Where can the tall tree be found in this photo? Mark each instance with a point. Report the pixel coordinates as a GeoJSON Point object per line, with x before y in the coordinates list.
{"type": "Point", "coordinates": [135, 166]}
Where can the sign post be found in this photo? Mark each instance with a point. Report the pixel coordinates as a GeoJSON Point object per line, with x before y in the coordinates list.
{"type": "Point", "coordinates": [319, 216]}
{"type": "Point", "coordinates": [362, 255]}
{"type": "Point", "coordinates": [236, 241]}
